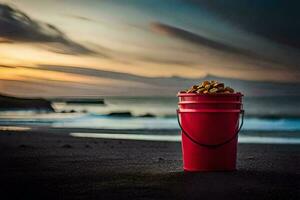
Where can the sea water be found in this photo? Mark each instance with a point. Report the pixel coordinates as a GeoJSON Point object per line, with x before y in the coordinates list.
{"type": "Point", "coordinates": [262, 113]}
{"type": "Point", "coordinates": [265, 114]}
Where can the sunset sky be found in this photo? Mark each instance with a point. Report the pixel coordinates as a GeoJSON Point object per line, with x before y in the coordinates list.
{"type": "Point", "coordinates": [108, 47]}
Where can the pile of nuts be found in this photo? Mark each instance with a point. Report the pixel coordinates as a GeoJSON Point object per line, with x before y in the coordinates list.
{"type": "Point", "coordinates": [209, 87]}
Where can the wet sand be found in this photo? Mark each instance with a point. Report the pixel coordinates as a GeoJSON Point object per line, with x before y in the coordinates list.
{"type": "Point", "coordinates": [47, 163]}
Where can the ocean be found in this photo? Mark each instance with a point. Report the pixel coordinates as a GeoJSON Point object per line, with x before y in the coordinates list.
{"type": "Point", "coordinates": [267, 114]}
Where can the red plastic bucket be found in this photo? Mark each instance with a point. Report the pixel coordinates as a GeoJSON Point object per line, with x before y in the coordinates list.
{"type": "Point", "coordinates": [209, 97]}
{"type": "Point", "coordinates": [210, 105]}
{"type": "Point", "coordinates": [209, 138]}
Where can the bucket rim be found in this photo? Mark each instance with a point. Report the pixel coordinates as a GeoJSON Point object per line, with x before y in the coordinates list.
{"type": "Point", "coordinates": [185, 110]}
{"type": "Point", "coordinates": [210, 102]}
{"type": "Point", "coordinates": [237, 94]}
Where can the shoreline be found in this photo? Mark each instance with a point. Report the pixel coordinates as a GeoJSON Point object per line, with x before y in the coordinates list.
{"type": "Point", "coordinates": [141, 131]}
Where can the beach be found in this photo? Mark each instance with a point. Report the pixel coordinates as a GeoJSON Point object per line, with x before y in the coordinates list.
{"type": "Point", "coordinates": [94, 97]}
{"type": "Point", "coordinates": [48, 163]}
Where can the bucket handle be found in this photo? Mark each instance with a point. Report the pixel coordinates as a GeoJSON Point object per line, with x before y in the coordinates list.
{"type": "Point", "coordinates": [211, 145]}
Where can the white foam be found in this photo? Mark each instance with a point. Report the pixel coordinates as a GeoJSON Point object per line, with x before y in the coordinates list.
{"type": "Point", "coordinates": [14, 128]}
{"type": "Point", "coordinates": [177, 138]}
{"type": "Point", "coordinates": [167, 138]}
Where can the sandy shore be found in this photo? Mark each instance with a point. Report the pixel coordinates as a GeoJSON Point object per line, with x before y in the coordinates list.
{"type": "Point", "coordinates": [47, 163]}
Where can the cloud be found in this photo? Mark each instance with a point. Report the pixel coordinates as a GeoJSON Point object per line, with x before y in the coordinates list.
{"type": "Point", "coordinates": [117, 83]}
{"type": "Point", "coordinates": [16, 26]}
{"type": "Point", "coordinates": [270, 57]}
{"type": "Point", "coordinates": [275, 20]}
{"type": "Point", "coordinates": [79, 17]}
{"type": "Point", "coordinates": [200, 40]}
{"type": "Point", "coordinates": [160, 81]}
{"type": "Point", "coordinates": [127, 57]}
{"type": "Point", "coordinates": [7, 66]}
{"type": "Point", "coordinates": [167, 61]}
{"type": "Point", "coordinates": [3, 40]}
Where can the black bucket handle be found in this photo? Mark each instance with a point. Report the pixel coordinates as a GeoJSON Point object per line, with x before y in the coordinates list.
{"type": "Point", "coordinates": [212, 145]}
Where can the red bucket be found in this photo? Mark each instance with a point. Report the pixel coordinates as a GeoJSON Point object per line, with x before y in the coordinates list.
{"type": "Point", "coordinates": [209, 97]}
{"type": "Point", "coordinates": [210, 105]}
{"type": "Point", "coordinates": [209, 138]}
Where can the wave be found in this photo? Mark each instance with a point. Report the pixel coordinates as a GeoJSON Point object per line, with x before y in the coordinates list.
{"type": "Point", "coordinates": [123, 114]}
{"type": "Point", "coordinates": [127, 120]}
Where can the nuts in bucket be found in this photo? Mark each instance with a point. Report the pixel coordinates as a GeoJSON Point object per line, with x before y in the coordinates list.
{"type": "Point", "coordinates": [209, 87]}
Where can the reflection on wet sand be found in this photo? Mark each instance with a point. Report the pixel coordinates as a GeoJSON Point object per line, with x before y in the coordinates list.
{"type": "Point", "coordinates": [177, 138]}
{"type": "Point", "coordinates": [14, 128]}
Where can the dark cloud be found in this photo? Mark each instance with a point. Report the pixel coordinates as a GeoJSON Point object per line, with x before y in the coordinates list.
{"type": "Point", "coordinates": [7, 66]}
{"type": "Point", "coordinates": [191, 37]}
{"type": "Point", "coordinates": [16, 26]}
{"type": "Point", "coordinates": [243, 53]}
{"type": "Point", "coordinates": [170, 61]}
{"type": "Point", "coordinates": [80, 17]}
{"type": "Point", "coordinates": [275, 20]}
{"type": "Point", "coordinates": [198, 39]}
{"type": "Point", "coordinates": [177, 81]}
{"type": "Point", "coordinates": [113, 75]}
{"type": "Point", "coordinates": [129, 57]}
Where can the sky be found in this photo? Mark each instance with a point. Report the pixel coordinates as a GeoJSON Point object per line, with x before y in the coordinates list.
{"type": "Point", "coordinates": [124, 47]}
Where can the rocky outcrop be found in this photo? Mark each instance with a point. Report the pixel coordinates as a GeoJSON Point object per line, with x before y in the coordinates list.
{"type": "Point", "coordinates": [15, 103]}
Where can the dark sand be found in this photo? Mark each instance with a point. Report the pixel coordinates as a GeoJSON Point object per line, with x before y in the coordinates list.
{"type": "Point", "coordinates": [47, 163]}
